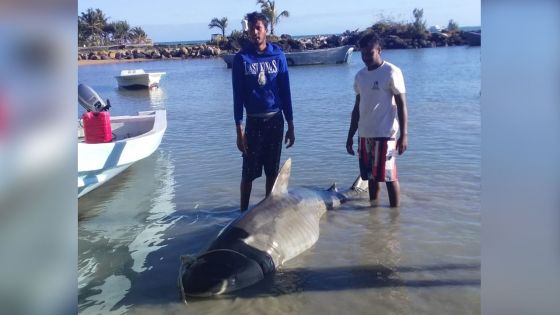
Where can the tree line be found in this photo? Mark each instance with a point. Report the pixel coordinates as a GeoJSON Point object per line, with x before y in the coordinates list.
{"type": "Point", "coordinates": [385, 27]}
{"type": "Point", "coordinates": [268, 8]}
{"type": "Point", "coordinates": [94, 29]}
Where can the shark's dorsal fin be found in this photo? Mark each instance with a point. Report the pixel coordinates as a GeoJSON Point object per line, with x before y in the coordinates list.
{"type": "Point", "coordinates": [333, 188]}
{"type": "Point", "coordinates": [281, 183]}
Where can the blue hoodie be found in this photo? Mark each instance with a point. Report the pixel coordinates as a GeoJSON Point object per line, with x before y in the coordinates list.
{"type": "Point", "coordinates": [261, 82]}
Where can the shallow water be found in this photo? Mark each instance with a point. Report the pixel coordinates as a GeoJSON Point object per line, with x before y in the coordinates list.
{"type": "Point", "coordinates": [421, 259]}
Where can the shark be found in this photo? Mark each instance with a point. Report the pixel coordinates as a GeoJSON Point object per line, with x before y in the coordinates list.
{"type": "Point", "coordinates": [254, 245]}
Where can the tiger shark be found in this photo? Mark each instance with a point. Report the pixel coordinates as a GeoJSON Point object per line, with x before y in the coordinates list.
{"type": "Point", "coordinates": [261, 239]}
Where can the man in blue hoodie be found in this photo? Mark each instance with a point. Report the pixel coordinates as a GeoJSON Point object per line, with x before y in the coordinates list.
{"type": "Point", "coordinates": [261, 85]}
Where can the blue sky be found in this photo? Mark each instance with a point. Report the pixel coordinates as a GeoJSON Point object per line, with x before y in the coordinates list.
{"type": "Point", "coordinates": [175, 20]}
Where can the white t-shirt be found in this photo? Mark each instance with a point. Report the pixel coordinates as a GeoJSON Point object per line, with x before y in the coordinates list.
{"type": "Point", "coordinates": [378, 111]}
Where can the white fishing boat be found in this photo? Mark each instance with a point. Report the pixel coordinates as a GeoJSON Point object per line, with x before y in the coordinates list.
{"type": "Point", "coordinates": [337, 55]}
{"type": "Point", "coordinates": [134, 138]}
{"type": "Point", "coordinates": [137, 78]}
{"type": "Point", "coordinates": [109, 145]}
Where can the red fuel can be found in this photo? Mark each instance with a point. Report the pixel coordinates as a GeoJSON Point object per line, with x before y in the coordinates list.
{"type": "Point", "coordinates": [97, 127]}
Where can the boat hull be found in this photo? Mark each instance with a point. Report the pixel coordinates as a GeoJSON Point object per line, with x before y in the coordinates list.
{"type": "Point", "coordinates": [139, 81]}
{"type": "Point", "coordinates": [472, 38]}
{"type": "Point", "coordinates": [99, 162]}
{"type": "Point", "coordinates": [337, 55]}
{"type": "Point", "coordinates": [88, 181]}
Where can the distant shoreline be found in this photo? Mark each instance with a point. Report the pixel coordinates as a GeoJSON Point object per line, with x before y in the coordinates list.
{"type": "Point", "coordinates": [202, 41]}
{"type": "Point", "coordinates": [180, 50]}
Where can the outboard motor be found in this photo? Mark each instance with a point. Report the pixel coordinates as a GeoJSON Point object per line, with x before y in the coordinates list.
{"type": "Point", "coordinates": [90, 100]}
{"type": "Point", "coordinates": [96, 121]}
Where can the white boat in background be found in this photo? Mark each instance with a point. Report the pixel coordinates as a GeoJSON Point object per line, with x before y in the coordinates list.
{"type": "Point", "coordinates": [337, 55]}
{"type": "Point", "coordinates": [134, 138]}
{"type": "Point", "coordinates": [139, 79]}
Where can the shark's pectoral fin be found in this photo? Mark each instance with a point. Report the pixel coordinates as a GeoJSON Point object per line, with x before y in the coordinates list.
{"type": "Point", "coordinates": [281, 183]}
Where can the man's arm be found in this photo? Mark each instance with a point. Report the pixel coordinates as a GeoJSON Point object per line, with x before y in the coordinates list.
{"type": "Point", "coordinates": [402, 112]}
{"type": "Point", "coordinates": [353, 125]}
{"type": "Point", "coordinates": [237, 84]}
{"type": "Point", "coordinates": [286, 98]}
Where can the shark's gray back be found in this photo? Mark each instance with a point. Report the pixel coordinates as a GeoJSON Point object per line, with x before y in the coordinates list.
{"type": "Point", "coordinates": [284, 226]}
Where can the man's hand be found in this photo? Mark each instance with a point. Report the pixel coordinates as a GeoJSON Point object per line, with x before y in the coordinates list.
{"type": "Point", "coordinates": [349, 144]}
{"type": "Point", "coordinates": [242, 143]}
{"type": "Point", "coordinates": [402, 144]}
{"type": "Point", "coordinates": [290, 137]}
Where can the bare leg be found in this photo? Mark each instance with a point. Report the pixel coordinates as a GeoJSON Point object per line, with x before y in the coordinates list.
{"type": "Point", "coordinates": [245, 189]}
{"type": "Point", "coordinates": [373, 190]}
{"type": "Point", "coordinates": [269, 184]}
{"type": "Point", "coordinates": [393, 188]}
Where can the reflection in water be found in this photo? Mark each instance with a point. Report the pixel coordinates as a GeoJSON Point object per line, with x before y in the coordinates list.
{"type": "Point", "coordinates": [157, 98]}
{"type": "Point", "coordinates": [154, 96]}
{"type": "Point", "coordinates": [114, 246]}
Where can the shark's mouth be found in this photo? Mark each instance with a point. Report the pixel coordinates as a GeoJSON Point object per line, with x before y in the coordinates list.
{"type": "Point", "coordinates": [216, 272]}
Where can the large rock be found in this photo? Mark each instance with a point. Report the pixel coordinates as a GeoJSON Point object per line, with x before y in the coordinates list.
{"type": "Point", "coordinates": [395, 42]}
{"type": "Point", "coordinates": [139, 55]}
{"type": "Point", "coordinates": [176, 53]}
{"type": "Point", "coordinates": [285, 37]}
{"type": "Point", "coordinates": [165, 52]}
{"type": "Point", "coordinates": [334, 41]}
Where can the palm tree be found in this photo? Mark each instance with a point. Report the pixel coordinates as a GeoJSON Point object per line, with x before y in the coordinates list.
{"type": "Point", "coordinates": [452, 26]}
{"type": "Point", "coordinates": [268, 8]}
{"type": "Point", "coordinates": [83, 33]}
{"type": "Point", "coordinates": [93, 22]}
{"type": "Point", "coordinates": [419, 23]}
{"type": "Point", "coordinates": [121, 31]}
{"type": "Point", "coordinates": [219, 23]}
{"type": "Point", "coordinates": [138, 35]}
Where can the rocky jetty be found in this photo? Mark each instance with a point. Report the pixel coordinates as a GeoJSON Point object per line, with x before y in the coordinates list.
{"type": "Point", "coordinates": [149, 52]}
{"type": "Point", "coordinates": [391, 40]}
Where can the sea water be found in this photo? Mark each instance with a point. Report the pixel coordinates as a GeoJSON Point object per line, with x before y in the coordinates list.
{"type": "Point", "coordinates": [423, 258]}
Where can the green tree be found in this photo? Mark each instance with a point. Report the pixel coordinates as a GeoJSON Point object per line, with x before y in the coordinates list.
{"type": "Point", "coordinates": [121, 31]}
{"type": "Point", "coordinates": [219, 23]}
{"type": "Point", "coordinates": [92, 22]}
{"type": "Point", "coordinates": [137, 35]}
{"type": "Point", "coordinates": [419, 23]}
{"type": "Point", "coordinates": [268, 8]}
{"type": "Point", "coordinates": [452, 26]}
{"type": "Point", "coordinates": [83, 33]}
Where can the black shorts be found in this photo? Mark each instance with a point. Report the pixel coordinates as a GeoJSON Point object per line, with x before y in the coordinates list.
{"type": "Point", "coordinates": [264, 146]}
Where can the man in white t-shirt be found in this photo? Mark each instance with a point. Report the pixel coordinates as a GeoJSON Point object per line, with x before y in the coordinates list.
{"type": "Point", "coordinates": [379, 116]}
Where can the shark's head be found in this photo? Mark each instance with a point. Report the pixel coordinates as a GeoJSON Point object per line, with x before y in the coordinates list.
{"type": "Point", "coordinates": [217, 272]}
